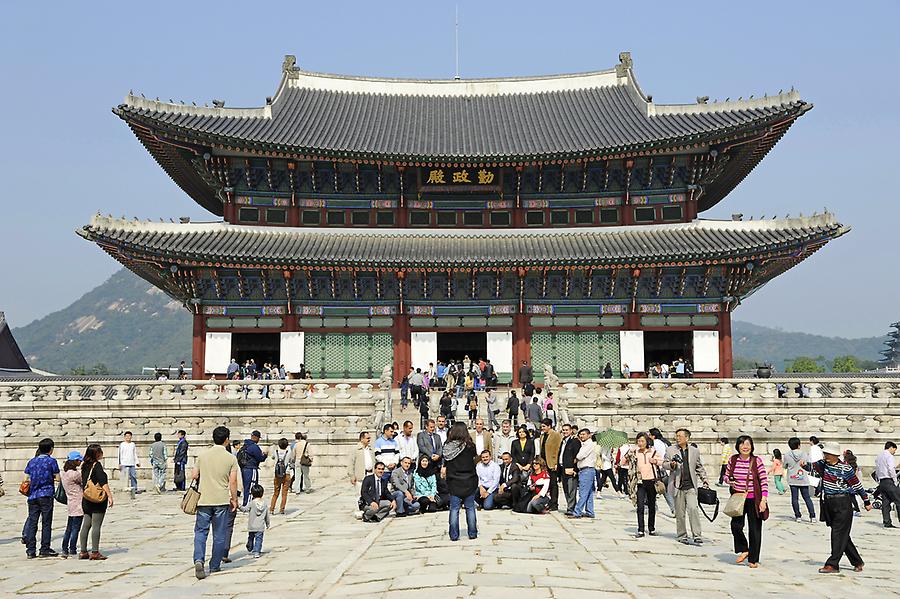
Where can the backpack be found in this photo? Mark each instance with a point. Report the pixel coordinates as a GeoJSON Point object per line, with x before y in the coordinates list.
{"type": "Point", "coordinates": [243, 459]}
{"type": "Point", "coordinates": [280, 466]}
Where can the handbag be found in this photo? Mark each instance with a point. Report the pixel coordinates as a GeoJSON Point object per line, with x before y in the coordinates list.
{"type": "Point", "coordinates": [707, 496]}
{"type": "Point", "coordinates": [60, 495]}
{"type": "Point", "coordinates": [734, 507]}
{"type": "Point", "coordinates": [191, 499]}
{"type": "Point", "coordinates": [25, 487]}
{"type": "Point", "coordinates": [179, 475]}
{"type": "Point", "coordinates": [92, 491]}
{"type": "Point", "coordinates": [658, 482]}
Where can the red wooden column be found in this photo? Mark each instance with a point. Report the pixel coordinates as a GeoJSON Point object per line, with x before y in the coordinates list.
{"type": "Point", "coordinates": [198, 348]}
{"type": "Point", "coordinates": [402, 350]}
{"type": "Point", "coordinates": [726, 363]}
{"type": "Point", "coordinates": [521, 345]}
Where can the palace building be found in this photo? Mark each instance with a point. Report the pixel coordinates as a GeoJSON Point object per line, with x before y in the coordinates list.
{"type": "Point", "coordinates": [553, 220]}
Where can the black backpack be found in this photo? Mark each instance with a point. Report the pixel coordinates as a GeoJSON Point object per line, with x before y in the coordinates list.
{"type": "Point", "coordinates": [243, 459]}
{"type": "Point", "coordinates": [280, 466]}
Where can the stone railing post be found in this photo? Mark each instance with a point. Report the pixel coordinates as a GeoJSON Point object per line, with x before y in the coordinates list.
{"type": "Point", "coordinates": [73, 392]}
{"type": "Point", "coordinates": [51, 393]}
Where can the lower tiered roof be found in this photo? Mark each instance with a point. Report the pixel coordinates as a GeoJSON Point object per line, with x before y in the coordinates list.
{"type": "Point", "coordinates": [698, 242]}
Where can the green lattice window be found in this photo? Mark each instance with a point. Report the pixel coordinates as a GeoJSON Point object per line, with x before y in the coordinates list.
{"type": "Point", "coordinates": [347, 355]}
{"type": "Point", "coordinates": [575, 354]}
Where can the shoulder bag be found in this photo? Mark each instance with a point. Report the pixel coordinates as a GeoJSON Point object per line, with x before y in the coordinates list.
{"type": "Point", "coordinates": [757, 491]}
{"type": "Point", "coordinates": [706, 496]}
{"type": "Point", "coordinates": [658, 482]}
{"type": "Point", "coordinates": [60, 495]}
{"type": "Point", "coordinates": [92, 491]}
{"type": "Point", "coordinates": [25, 488]}
{"type": "Point", "coordinates": [734, 507]}
{"type": "Point", "coordinates": [191, 498]}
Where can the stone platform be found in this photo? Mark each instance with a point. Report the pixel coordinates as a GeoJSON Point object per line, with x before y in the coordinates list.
{"type": "Point", "coordinates": [319, 550]}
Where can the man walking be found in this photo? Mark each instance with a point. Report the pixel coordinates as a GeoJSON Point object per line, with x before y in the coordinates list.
{"type": "Point", "coordinates": [526, 374]}
{"type": "Point", "coordinates": [584, 461]}
{"type": "Point", "coordinates": [158, 457]}
{"type": "Point", "coordinates": [839, 482]}
{"type": "Point", "coordinates": [550, 442]}
{"type": "Point", "coordinates": [128, 463]}
{"type": "Point", "coordinates": [249, 457]}
{"type": "Point", "coordinates": [533, 412]}
{"type": "Point", "coordinates": [216, 470]}
{"type": "Point", "coordinates": [886, 473]}
{"type": "Point", "coordinates": [41, 470]}
{"type": "Point", "coordinates": [686, 475]}
{"type": "Point", "coordinates": [567, 472]}
{"type": "Point", "coordinates": [180, 459]}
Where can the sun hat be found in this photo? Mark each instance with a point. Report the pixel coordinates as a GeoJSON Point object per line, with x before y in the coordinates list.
{"type": "Point", "coordinates": [832, 447]}
{"type": "Point", "coordinates": [75, 455]}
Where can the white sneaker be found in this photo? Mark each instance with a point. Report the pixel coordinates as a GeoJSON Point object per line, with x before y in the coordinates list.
{"type": "Point", "coordinates": [358, 515]}
{"type": "Point", "coordinates": [812, 520]}
{"type": "Point", "coordinates": [799, 519]}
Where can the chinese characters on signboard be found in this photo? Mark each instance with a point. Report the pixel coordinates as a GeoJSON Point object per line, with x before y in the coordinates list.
{"type": "Point", "coordinates": [459, 176]}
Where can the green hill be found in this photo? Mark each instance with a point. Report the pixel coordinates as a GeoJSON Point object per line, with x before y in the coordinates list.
{"type": "Point", "coordinates": [126, 324]}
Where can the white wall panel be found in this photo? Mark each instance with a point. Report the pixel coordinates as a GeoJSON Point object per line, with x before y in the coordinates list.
{"type": "Point", "coordinates": [631, 349]}
{"type": "Point", "coordinates": [423, 350]}
{"type": "Point", "coordinates": [292, 351]}
{"type": "Point", "coordinates": [218, 353]}
{"type": "Point", "coordinates": [706, 351]}
{"type": "Point", "coordinates": [500, 351]}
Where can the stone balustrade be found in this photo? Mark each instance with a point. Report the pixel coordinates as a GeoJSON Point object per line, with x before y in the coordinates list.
{"type": "Point", "coordinates": [861, 414]}
{"type": "Point", "coordinates": [74, 413]}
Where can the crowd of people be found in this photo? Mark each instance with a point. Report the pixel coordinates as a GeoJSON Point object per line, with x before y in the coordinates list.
{"type": "Point", "coordinates": [448, 466]}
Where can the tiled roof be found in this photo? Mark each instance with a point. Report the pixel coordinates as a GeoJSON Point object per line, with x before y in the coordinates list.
{"type": "Point", "coordinates": [277, 246]}
{"type": "Point", "coordinates": [486, 119]}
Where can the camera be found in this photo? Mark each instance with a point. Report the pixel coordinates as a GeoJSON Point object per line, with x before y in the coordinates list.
{"type": "Point", "coordinates": [676, 458]}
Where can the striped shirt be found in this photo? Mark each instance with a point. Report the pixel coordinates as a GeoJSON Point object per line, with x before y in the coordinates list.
{"type": "Point", "coordinates": [737, 473]}
{"type": "Point", "coordinates": [839, 479]}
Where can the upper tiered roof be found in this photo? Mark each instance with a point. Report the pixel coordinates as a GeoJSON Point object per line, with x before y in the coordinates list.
{"type": "Point", "coordinates": [482, 120]}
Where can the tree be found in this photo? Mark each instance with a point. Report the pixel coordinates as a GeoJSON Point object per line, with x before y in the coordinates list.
{"type": "Point", "coordinates": [845, 364]}
{"type": "Point", "coordinates": [743, 364]}
{"type": "Point", "coordinates": [98, 369]}
{"type": "Point", "coordinates": [805, 364]}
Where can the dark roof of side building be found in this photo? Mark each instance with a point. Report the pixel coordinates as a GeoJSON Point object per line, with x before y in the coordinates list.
{"type": "Point", "coordinates": [369, 247]}
{"type": "Point", "coordinates": [12, 361]}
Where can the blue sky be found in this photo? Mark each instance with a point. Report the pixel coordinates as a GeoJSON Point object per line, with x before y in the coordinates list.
{"type": "Point", "coordinates": [65, 156]}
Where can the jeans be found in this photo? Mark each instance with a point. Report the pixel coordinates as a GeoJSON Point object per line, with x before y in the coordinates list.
{"type": "Point", "coordinates": [471, 524]}
{"type": "Point", "coordinates": [804, 490]}
{"type": "Point", "coordinates": [487, 502]}
{"type": "Point", "coordinates": [686, 505]}
{"type": "Point", "coordinates": [254, 542]}
{"type": "Point", "coordinates": [229, 529]}
{"type": "Point", "coordinates": [41, 507]}
{"type": "Point", "coordinates": [646, 496]}
{"type": "Point", "coordinates": [754, 527]}
{"type": "Point", "coordinates": [585, 504]}
{"type": "Point", "coordinates": [404, 505]}
{"type": "Point", "coordinates": [129, 473]}
{"type": "Point", "coordinates": [70, 538]}
{"type": "Point", "coordinates": [159, 476]}
{"type": "Point", "coordinates": [217, 516]}
{"type": "Point", "coordinates": [538, 504]}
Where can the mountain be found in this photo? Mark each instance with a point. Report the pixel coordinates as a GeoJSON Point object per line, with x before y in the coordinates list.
{"type": "Point", "coordinates": [758, 344]}
{"type": "Point", "coordinates": [126, 324]}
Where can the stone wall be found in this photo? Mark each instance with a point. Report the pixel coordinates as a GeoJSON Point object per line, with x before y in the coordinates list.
{"type": "Point", "coordinates": [860, 414]}
{"type": "Point", "coordinates": [75, 413]}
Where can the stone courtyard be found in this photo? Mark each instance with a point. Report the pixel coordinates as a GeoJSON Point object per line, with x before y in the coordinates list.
{"type": "Point", "coordinates": [317, 549]}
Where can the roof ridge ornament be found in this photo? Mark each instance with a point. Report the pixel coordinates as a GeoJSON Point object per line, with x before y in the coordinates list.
{"type": "Point", "coordinates": [289, 67]}
{"type": "Point", "coordinates": [625, 63]}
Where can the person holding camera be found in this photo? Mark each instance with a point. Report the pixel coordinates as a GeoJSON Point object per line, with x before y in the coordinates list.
{"type": "Point", "coordinates": [686, 474]}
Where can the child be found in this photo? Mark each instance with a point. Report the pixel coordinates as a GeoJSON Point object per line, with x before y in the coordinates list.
{"type": "Point", "coordinates": [258, 521]}
{"type": "Point", "coordinates": [473, 408]}
{"type": "Point", "coordinates": [71, 482]}
{"type": "Point", "coordinates": [777, 470]}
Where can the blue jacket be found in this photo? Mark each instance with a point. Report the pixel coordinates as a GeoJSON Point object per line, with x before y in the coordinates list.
{"type": "Point", "coordinates": [254, 453]}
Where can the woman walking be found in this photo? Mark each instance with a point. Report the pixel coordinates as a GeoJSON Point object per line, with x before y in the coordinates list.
{"type": "Point", "coordinates": [71, 482]}
{"type": "Point", "coordinates": [746, 473]}
{"type": "Point", "coordinates": [93, 505]}
{"type": "Point", "coordinates": [643, 463]}
{"type": "Point", "coordinates": [795, 462]}
{"type": "Point", "coordinates": [459, 470]}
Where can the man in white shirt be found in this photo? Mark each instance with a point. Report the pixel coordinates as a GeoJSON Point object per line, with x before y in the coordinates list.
{"type": "Point", "coordinates": [442, 429]}
{"type": "Point", "coordinates": [503, 442]}
{"type": "Point", "coordinates": [128, 463]}
{"type": "Point", "coordinates": [488, 480]}
{"type": "Point", "coordinates": [408, 446]}
{"type": "Point", "coordinates": [482, 438]}
{"type": "Point", "coordinates": [886, 473]}
{"type": "Point", "coordinates": [584, 462]}
{"type": "Point", "coordinates": [815, 455]}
